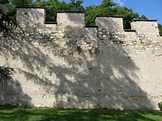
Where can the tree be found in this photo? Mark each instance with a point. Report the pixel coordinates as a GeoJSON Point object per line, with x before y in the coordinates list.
{"type": "Point", "coordinates": [52, 7]}
{"type": "Point", "coordinates": [90, 14]}
{"type": "Point", "coordinates": [11, 11]}
{"type": "Point", "coordinates": [75, 5]}
{"type": "Point", "coordinates": [143, 17]}
{"type": "Point", "coordinates": [39, 3]}
{"type": "Point", "coordinates": [21, 3]}
{"type": "Point", "coordinates": [108, 3]}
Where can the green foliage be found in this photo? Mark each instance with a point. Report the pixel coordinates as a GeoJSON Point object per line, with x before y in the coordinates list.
{"type": "Point", "coordinates": [160, 28]}
{"type": "Point", "coordinates": [51, 7]}
{"type": "Point", "coordinates": [160, 105]}
{"type": "Point", "coordinates": [107, 3]}
{"type": "Point", "coordinates": [143, 17]}
{"type": "Point", "coordinates": [90, 15]}
{"type": "Point", "coordinates": [11, 11]}
{"type": "Point", "coordinates": [75, 5]}
{"type": "Point", "coordinates": [21, 3]}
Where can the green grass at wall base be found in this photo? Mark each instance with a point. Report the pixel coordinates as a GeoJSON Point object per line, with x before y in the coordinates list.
{"type": "Point", "coordinates": [50, 114]}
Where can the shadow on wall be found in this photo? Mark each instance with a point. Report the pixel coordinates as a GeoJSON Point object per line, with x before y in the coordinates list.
{"type": "Point", "coordinates": [105, 78]}
{"type": "Point", "coordinates": [11, 92]}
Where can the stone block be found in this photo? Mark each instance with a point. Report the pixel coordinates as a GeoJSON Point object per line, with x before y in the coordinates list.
{"type": "Point", "coordinates": [110, 23]}
{"type": "Point", "coordinates": [30, 16]}
{"type": "Point", "coordinates": [73, 19]}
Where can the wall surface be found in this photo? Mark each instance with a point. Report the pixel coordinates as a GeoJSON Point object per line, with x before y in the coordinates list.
{"type": "Point", "coordinates": [81, 67]}
{"type": "Point", "coordinates": [141, 26]}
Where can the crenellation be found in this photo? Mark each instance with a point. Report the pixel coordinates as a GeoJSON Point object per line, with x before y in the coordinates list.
{"type": "Point", "coordinates": [145, 26]}
{"type": "Point", "coordinates": [29, 17]}
{"type": "Point", "coordinates": [107, 25]}
{"type": "Point", "coordinates": [110, 23]}
{"type": "Point", "coordinates": [65, 19]}
{"type": "Point", "coordinates": [107, 29]}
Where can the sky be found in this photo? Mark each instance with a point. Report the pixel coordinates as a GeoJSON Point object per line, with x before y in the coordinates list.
{"type": "Point", "coordinates": [152, 9]}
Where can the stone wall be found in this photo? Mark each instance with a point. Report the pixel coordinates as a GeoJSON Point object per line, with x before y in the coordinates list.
{"type": "Point", "coordinates": [68, 65]}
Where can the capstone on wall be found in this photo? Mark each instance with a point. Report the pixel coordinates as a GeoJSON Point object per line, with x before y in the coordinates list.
{"type": "Point", "coordinates": [145, 27]}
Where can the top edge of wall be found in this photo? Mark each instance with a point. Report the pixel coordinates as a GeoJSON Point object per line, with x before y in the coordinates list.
{"type": "Point", "coordinates": [129, 30]}
{"type": "Point", "coordinates": [110, 16]}
{"type": "Point", "coordinates": [70, 11]}
{"type": "Point", "coordinates": [31, 7]}
{"type": "Point", "coordinates": [89, 26]}
{"type": "Point", "coordinates": [143, 20]}
{"type": "Point", "coordinates": [50, 22]}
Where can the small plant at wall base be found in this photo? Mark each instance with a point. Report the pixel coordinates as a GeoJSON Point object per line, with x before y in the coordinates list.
{"type": "Point", "coordinates": [160, 106]}
{"type": "Point", "coordinates": [5, 73]}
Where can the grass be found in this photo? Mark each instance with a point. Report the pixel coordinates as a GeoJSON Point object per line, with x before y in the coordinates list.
{"type": "Point", "coordinates": [50, 114]}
